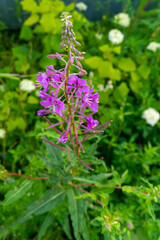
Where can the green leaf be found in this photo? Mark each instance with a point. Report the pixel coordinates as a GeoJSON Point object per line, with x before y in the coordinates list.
{"type": "Point", "coordinates": [121, 92]}
{"type": "Point", "coordinates": [30, 5]}
{"type": "Point", "coordinates": [150, 208]}
{"type": "Point", "coordinates": [127, 189]}
{"type": "Point", "coordinates": [127, 64]}
{"type": "Point", "coordinates": [66, 225]}
{"type": "Point", "coordinates": [105, 48]}
{"type": "Point", "coordinates": [135, 83]}
{"type": "Point", "coordinates": [54, 153]}
{"type": "Point", "coordinates": [84, 180]}
{"type": "Point", "coordinates": [20, 123]}
{"type": "Point", "coordinates": [46, 202]}
{"type": "Point", "coordinates": [105, 69]}
{"type": "Point", "coordinates": [32, 20]}
{"type": "Point", "coordinates": [47, 222]}
{"type": "Point", "coordinates": [94, 62]}
{"type": "Point", "coordinates": [15, 194]}
{"type": "Point", "coordinates": [26, 33]}
{"type": "Point", "coordinates": [76, 212]}
{"type": "Point", "coordinates": [70, 7]}
{"type": "Point", "coordinates": [144, 71]}
{"type": "Point", "coordinates": [32, 100]}
{"type": "Point", "coordinates": [50, 24]}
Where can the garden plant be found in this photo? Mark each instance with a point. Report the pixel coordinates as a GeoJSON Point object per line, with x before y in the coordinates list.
{"type": "Point", "coordinates": [79, 129]}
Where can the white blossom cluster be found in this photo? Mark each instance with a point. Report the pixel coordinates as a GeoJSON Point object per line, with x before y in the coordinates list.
{"type": "Point", "coordinates": [122, 19]}
{"type": "Point", "coordinates": [115, 36]}
{"type": "Point", "coordinates": [2, 133]}
{"type": "Point", "coordinates": [98, 36]}
{"type": "Point", "coordinates": [108, 86]}
{"type": "Point", "coordinates": [151, 116]}
{"type": "Point", "coordinates": [81, 6]}
{"type": "Point", "coordinates": [27, 85]}
{"type": "Point", "coordinates": [153, 46]}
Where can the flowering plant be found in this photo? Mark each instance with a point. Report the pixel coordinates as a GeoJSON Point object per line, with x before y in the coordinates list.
{"type": "Point", "coordinates": [78, 201]}
{"type": "Point", "coordinates": [68, 95]}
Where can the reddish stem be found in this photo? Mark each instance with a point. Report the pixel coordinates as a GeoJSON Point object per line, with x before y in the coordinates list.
{"type": "Point", "coordinates": [25, 176]}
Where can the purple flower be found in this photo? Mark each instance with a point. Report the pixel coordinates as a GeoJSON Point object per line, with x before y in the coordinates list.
{"type": "Point", "coordinates": [59, 105]}
{"type": "Point", "coordinates": [42, 112]}
{"type": "Point", "coordinates": [42, 80]}
{"type": "Point", "coordinates": [50, 70]}
{"type": "Point", "coordinates": [53, 103]}
{"type": "Point", "coordinates": [56, 80]}
{"type": "Point", "coordinates": [91, 123]}
{"type": "Point", "coordinates": [90, 100]}
{"type": "Point", "coordinates": [48, 102]}
{"type": "Point", "coordinates": [63, 138]}
{"type": "Point", "coordinates": [76, 82]}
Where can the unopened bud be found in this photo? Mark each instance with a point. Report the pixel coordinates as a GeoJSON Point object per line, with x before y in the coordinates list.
{"type": "Point", "coordinates": [50, 68]}
{"type": "Point", "coordinates": [63, 76]}
{"type": "Point", "coordinates": [74, 50]}
{"type": "Point", "coordinates": [79, 64]}
{"type": "Point", "coordinates": [71, 61]}
{"type": "Point", "coordinates": [52, 56]}
{"type": "Point", "coordinates": [80, 58]}
{"type": "Point", "coordinates": [77, 43]}
{"type": "Point", "coordinates": [83, 71]}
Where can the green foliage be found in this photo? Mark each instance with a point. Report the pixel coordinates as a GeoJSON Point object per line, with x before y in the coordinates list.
{"type": "Point", "coordinates": [125, 159]}
{"type": "Point", "coordinates": [14, 195]}
{"type": "Point", "coordinates": [76, 212]}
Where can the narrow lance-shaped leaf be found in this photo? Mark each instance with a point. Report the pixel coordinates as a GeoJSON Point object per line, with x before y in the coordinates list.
{"type": "Point", "coordinates": [15, 194]}
{"type": "Point", "coordinates": [45, 203]}
{"type": "Point", "coordinates": [76, 212]}
{"type": "Point", "coordinates": [47, 222]}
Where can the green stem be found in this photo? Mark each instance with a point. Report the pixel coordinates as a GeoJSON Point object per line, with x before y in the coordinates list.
{"type": "Point", "coordinates": [69, 105]}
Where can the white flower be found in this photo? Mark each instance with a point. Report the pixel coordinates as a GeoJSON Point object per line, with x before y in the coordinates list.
{"type": "Point", "coordinates": [109, 85]}
{"type": "Point", "coordinates": [101, 87]}
{"type": "Point", "coordinates": [27, 85]}
{"type": "Point", "coordinates": [81, 6]}
{"type": "Point", "coordinates": [115, 36]}
{"type": "Point", "coordinates": [151, 116]}
{"type": "Point", "coordinates": [153, 46]}
{"type": "Point", "coordinates": [98, 35]}
{"type": "Point", "coordinates": [122, 19]}
{"type": "Point", "coordinates": [2, 133]}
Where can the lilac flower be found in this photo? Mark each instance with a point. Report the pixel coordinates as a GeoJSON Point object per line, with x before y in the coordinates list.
{"type": "Point", "coordinates": [48, 102]}
{"type": "Point", "coordinates": [91, 123]}
{"type": "Point", "coordinates": [42, 80]}
{"type": "Point", "coordinates": [63, 138]}
{"type": "Point", "coordinates": [76, 82]}
{"type": "Point", "coordinates": [56, 80]}
{"type": "Point", "coordinates": [42, 112]}
{"type": "Point", "coordinates": [59, 105]}
{"type": "Point", "coordinates": [90, 100]}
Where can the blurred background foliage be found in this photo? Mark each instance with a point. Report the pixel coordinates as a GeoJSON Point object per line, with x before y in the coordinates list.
{"type": "Point", "coordinates": [129, 144]}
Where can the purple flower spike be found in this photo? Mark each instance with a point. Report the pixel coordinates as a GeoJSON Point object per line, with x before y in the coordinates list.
{"type": "Point", "coordinates": [91, 123]}
{"type": "Point", "coordinates": [67, 95]}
